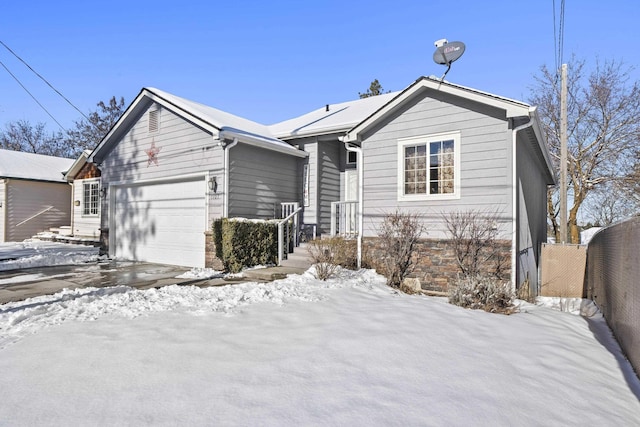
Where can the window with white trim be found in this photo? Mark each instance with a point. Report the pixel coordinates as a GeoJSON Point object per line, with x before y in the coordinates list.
{"type": "Point", "coordinates": [429, 167]}
{"type": "Point", "coordinates": [90, 198]}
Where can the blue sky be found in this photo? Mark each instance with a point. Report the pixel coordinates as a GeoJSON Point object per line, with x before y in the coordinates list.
{"type": "Point", "coordinates": [272, 60]}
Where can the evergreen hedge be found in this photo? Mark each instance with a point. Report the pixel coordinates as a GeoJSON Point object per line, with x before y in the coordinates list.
{"type": "Point", "coordinates": [245, 243]}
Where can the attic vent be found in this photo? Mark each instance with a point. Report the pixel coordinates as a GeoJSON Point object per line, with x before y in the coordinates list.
{"type": "Point", "coordinates": [154, 120]}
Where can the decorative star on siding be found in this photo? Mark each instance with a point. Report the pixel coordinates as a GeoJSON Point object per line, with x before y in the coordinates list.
{"type": "Point", "coordinates": [153, 153]}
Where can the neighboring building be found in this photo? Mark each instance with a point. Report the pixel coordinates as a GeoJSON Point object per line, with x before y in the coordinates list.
{"type": "Point", "coordinates": [34, 197]}
{"type": "Point", "coordinates": [84, 178]}
{"type": "Point", "coordinates": [171, 166]}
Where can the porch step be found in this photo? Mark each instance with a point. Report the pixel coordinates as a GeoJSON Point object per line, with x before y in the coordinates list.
{"type": "Point", "coordinates": [64, 230]}
{"type": "Point", "coordinates": [54, 236]}
{"type": "Point", "coordinates": [300, 258]}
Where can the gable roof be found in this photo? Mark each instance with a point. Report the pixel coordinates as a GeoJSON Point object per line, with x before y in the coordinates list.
{"type": "Point", "coordinates": [77, 165]}
{"type": "Point", "coordinates": [37, 167]}
{"type": "Point", "coordinates": [511, 107]}
{"type": "Point", "coordinates": [219, 123]}
{"type": "Point", "coordinates": [331, 118]}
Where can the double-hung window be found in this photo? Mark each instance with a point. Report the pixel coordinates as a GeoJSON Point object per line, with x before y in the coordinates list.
{"type": "Point", "coordinates": [90, 198]}
{"type": "Point", "coordinates": [429, 167]}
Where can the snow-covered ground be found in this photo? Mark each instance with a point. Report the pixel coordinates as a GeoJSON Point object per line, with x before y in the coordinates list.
{"type": "Point", "coordinates": [348, 351]}
{"type": "Point", "coordinates": [37, 253]}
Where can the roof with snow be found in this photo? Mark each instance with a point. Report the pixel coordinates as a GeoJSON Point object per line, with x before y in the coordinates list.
{"type": "Point", "coordinates": [37, 167]}
{"type": "Point", "coordinates": [331, 117]}
{"type": "Point", "coordinates": [218, 122]}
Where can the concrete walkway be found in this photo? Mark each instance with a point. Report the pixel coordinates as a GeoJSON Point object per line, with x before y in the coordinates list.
{"type": "Point", "coordinates": [17, 285]}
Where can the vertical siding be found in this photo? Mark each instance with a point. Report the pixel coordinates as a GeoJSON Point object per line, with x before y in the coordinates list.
{"type": "Point", "coordinates": [328, 182]}
{"type": "Point", "coordinates": [82, 225]}
{"type": "Point", "coordinates": [183, 149]}
{"type": "Point", "coordinates": [259, 180]}
{"type": "Point", "coordinates": [25, 199]}
{"type": "Point", "coordinates": [532, 211]}
{"type": "Point", "coordinates": [485, 169]}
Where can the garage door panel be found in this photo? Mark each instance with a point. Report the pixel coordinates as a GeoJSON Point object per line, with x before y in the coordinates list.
{"type": "Point", "coordinates": [161, 223]}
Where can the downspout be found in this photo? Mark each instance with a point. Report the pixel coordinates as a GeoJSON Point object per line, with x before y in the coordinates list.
{"type": "Point", "coordinates": [360, 166]}
{"type": "Point", "coordinates": [514, 203]}
{"type": "Point", "coordinates": [73, 207]}
{"type": "Point", "coordinates": [225, 205]}
{"type": "Point", "coordinates": [3, 208]}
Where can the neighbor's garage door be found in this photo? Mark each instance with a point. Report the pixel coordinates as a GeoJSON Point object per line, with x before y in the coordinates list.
{"type": "Point", "coordinates": [162, 223]}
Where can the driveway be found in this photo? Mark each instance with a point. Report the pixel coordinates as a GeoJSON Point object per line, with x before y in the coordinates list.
{"type": "Point", "coordinates": [29, 269]}
{"type": "Point", "coordinates": [16, 285]}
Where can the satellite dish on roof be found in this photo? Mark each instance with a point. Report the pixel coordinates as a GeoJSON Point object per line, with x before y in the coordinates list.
{"type": "Point", "coordinates": [447, 52]}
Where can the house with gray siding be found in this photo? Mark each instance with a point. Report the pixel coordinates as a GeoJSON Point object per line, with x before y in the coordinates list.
{"type": "Point", "coordinates": [34, 196]}
{"type": "Point", "coordinates": [171, 166]}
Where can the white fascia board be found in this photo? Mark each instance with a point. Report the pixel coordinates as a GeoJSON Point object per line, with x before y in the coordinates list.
{"type": "Point", "coordinates": [316, 132]}
{"type": "Point", "coordinates": [132, 109]}
{"type": "Point", "coordinates": [275, 145]}
{"type": "Point", "coordinates": [511, 108]}
{"type": "Point", "coordinates": [182, 111]}
{"type": "Point", "coordinates": [76, 166]}
{"type": "Point", "coordinates": [542, 144]}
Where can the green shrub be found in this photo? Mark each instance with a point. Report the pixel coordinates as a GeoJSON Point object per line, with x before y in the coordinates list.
{"type": "Point", "coordinates": [245, 243]}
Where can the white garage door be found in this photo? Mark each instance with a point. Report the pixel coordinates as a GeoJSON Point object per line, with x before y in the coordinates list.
{"type": "Point", "coordinates": [162, 223]}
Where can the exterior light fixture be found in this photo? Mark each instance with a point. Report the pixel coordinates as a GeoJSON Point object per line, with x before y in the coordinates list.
{"type": "Point", "coordinates": [76, 203]}
{"type": "Point", "coordinates": [213, 184]}
{"type": "Point", "coordinates": [103, 192]}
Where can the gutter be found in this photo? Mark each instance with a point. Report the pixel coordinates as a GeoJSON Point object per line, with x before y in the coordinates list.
{"type": "Point", "coordinates": [360, 164]}
{"type": "Point", "coordinates": [225, 199]}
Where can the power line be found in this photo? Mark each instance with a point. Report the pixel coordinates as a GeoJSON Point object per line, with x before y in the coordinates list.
{"type": "Point", "coordinates": [558, 37]}
{"type": "Point", "coordinates": [30, 94]}
{"type": "Point", "coordinates": [44, 80]}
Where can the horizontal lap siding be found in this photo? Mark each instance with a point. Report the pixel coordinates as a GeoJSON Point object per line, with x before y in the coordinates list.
{"type": "Point", "coordinates": [485, 167]}
{"type": "Point", "coordinates": [38, 205]}
{"type": "Point", "coordinates": [260, 180]}
{"type": "Point", "coordinates": [329, 182]}
{"type": "Point", "coordinates": [532, 210]}
{"type": "Point", "coordinates": [84, 225]}
{"type": "Point", "coordinates": [184, 149]}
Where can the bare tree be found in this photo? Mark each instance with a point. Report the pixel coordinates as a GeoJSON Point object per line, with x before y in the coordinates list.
{"type": "Point", "coordinates": [474, 236]}
{"type": "Point", "coordinates": [89, 132]}
{"type": "Point", "coordinates": [23, 136]}
{"type": "Point", "coordinates": [606, 206]}
{"type": "Point", "coordinates": [399, 234]}
{"type": "Point", "coordinates": [603, 129]}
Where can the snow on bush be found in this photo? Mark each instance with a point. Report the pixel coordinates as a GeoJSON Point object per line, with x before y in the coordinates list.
{"type": "Point", "coordinates": [480, 292]}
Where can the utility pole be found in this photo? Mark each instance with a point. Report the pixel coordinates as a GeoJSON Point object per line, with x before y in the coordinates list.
{"type": "Point", "coordinates": [563, 156]}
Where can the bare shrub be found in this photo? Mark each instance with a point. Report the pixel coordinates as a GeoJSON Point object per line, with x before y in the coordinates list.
{"type": "Point", "coordinates": [330, 254]}
{"type": "Point", "coordinates": [399, 233]}
{"type": "Point", "coordinates": [473, 236]}
{"type": "Point", "coordinates": [484, 293]}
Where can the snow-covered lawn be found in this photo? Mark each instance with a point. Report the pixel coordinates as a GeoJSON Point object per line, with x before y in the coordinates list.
{"type": "Point", "coordinates": [302, 352]}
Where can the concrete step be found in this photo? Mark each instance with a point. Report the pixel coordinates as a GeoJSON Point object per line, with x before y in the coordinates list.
{"type": "Point", "coordinates": [300, 258]}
